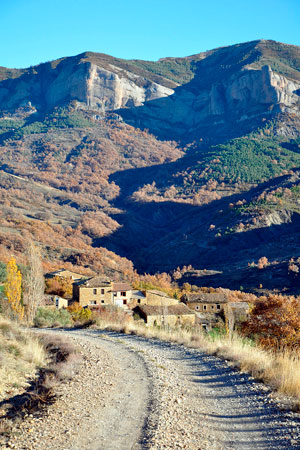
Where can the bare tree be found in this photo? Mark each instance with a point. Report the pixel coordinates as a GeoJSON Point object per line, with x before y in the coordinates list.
{"type": "Point", "coordinates": [34, 283]}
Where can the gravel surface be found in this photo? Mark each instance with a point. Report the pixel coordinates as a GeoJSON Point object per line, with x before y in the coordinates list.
{"type": "Point", "coordinates": [133, 393]}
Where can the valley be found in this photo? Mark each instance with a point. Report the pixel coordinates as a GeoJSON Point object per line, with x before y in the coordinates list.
{"type": "Point", "coordinates": [115, 166]}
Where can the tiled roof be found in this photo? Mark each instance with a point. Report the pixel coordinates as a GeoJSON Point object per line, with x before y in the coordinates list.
{"type": "Point", "coordinates": [202, 297]}
{"type": "Point", "coordinates": [93, 282]}
{"type": "Point", "coordinates": [173, 310]}
{"type": "Point", "coordinates": [155, 292]}
{"type": "Point", "coordinates": [65, 273]}
{"type": "Point", "coordinates": [121, 287]}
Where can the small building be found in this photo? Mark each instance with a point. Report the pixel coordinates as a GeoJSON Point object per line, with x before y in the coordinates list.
{"type": "Point", "coordinates": [171, 315]}
{"type": "Point", "coordinates": [159, 298]}
{"type": "Point", "coordinates": [202, 302]}
{"type": "Point", "coordinates": [93, 291]}
{"type": "Point", "coordinates": [64, 273]}
{"type": "Point", "coordinates": [122, 293]}
{"type": "Point", "coordinates": [138, 298]}
{"type": "Point", "coordinates": [54, 301]}
{"type": "Point", "coordinates": [61, 302]}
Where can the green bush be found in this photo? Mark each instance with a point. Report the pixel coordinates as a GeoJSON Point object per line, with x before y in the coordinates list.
{"type": "Point", "coordinates": [46, 317]}
{"type": "Point", "coordinates": [2, 272]}
{"type": "Point", "coordinates": [217, 333]}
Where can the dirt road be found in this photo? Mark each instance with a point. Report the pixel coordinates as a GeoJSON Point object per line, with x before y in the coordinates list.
{"type": "Point", "coordinates": [133, 393]}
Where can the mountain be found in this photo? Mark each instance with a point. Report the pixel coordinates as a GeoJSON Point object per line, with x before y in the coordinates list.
{"type": "Point", "coordinates": [229, 89]}
{"type": "Point", "coordinates": [234, 89]}
{"type": "Point", "coordinates": [181, 161]}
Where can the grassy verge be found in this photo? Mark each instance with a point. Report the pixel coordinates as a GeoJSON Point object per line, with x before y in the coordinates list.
{"type": "Point", "coordinates": [281, 371]}
{"type": "Point", "coordinates": [31, 367]}
{"type": "Point", "coordinates": [21, 355]}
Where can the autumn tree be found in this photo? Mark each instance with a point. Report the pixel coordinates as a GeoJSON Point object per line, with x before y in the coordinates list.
{"type": "Point", "coordinates": [275, 322]}
{"type": "Point", "coordinates": [33, 283]}
{"type": "Point", "coordinates": [262, 262]}
{"type": "Point", "coordinates": [60, 286]}
{"type": "Point", "coordinates": [13, 290]}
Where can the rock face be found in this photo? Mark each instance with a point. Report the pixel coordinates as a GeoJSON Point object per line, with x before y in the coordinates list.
{"type": "Point", "coordinates": [226, 90]}
{"type": "Point", "coordinates": [91, 86]}
{"type": "Point", "coordinates": [245, 96]}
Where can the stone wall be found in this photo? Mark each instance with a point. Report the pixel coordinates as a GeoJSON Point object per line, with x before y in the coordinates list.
{"type": "Point", "coordinates": [184, 319]}
{"type": "Point", "coordinates": [92, 296]}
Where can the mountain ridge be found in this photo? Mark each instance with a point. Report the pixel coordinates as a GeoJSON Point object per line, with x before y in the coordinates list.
{"type": "Point", "coordinates": [129, 157]}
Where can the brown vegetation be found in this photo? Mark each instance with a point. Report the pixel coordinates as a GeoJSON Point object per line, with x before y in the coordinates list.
{"type": "Point", "coordinates": [275, 322]}
{"type": "Point", "coordinates": [55, 191]}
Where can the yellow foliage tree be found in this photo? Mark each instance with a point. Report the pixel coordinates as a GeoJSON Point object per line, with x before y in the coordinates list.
{"type": "Point", "coordinates": [78, 313]}
{"type": "Point", "coordinates": [13, 289]}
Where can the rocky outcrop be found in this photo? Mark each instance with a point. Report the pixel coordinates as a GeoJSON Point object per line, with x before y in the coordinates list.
{"type": "Point", "coordinates": [242, 97]}
{"type": "Point", "coordinates": [88, 84]}
{"type": "Point", "coordinates": [233, 90]}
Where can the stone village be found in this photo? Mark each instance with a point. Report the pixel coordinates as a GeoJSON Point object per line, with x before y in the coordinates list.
{"type": "Point", "coordinates": [156, 308]}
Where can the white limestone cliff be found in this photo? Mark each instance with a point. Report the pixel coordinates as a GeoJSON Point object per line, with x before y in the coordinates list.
{"type": "Point", "coordinates": [92, 86]}
{"type": "Point", "coordinates": [245, 95]}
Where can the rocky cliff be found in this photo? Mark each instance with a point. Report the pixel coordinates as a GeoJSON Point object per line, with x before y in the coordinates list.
{"type": "Point", "coordinates": [89, 84]}
{"type": "Point", "coordinates": [244, 98]}
{"type": "Point", "coordinates": [221, 92]}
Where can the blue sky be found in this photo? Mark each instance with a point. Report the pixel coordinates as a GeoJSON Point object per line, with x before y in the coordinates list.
{"type": "Point", "coordinates": [34, 31]}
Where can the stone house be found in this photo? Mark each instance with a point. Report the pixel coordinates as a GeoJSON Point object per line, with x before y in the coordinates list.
{"type": "Point", "coordinates": [171, 315]}
{"type": "Point", "coordinates": [93, 291]}
{"type": "Point", "coordinates": [210, 308]}
{"type": "Point", "coordinates": [213, 309]}
{"type": "Point", "coordinates": [159, 298]}
{"type": "Point", "coordinates": [122, 293]}
{"type": "Point", "coordinates": [206, 302]}
{"type": "Point", "coordinates": [64, 273]}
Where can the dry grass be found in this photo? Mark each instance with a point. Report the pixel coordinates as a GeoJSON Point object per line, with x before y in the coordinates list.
{"type": "Point", "coordinates": [280, 370]}
{"type": "Point", "coordinates": [21, 355]}
{"type": "Point", "coordinates": [65, 359]}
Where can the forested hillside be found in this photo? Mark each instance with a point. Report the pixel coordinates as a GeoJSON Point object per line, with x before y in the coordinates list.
{"type": "Point", "coordinates": [155, 165]}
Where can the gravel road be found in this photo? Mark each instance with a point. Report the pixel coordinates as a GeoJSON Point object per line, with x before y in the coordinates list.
{"type": "Point", "coordinates": [132, 393]}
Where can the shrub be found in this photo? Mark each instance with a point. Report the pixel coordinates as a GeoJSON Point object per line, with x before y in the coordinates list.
{"type": "Point", "coordinates": [46, 317]}
{"type": "Point", "coordinates": [2, 272]}
{"type": "Point", "coordinates": [274, 322]}
{"type": "Point", "coordinates": [79, 314]}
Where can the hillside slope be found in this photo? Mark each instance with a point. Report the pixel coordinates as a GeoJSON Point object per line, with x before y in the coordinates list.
{"type": "Point", "coordinates": [78, 172]}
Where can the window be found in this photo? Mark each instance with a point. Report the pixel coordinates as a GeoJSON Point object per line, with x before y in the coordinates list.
{"type": "Point", "coordinates": [94, 291]}
{"type": "Point", "coordinates": [124, 302]}
{"type": "Point", "coordinates": [219, 307]}
{"type": "Point", "coordinates": [102, 291]}
{"type": "Point", "coordinates": [139, 300]}
{"type": "Point", "coordinates": [123, 294]}
{"type": "Point", "coordinates": [212, 306]}
{"type": "Point", "coordinates": [197, 307]}
{"type": "Point", "coordinates": [93, 302]}
{"type": "Point", "coordinates": [102, 301]}
{"type": "Point", "coordinates": [204, 307]}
